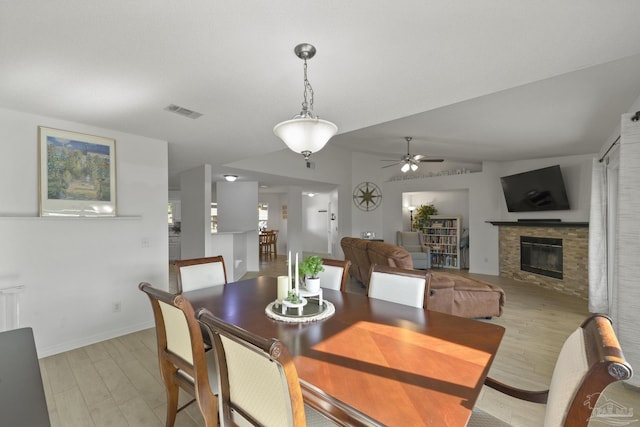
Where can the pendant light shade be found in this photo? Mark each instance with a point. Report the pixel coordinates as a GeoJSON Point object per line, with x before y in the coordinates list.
{"type": "Point", "coordinates": [305, 133]}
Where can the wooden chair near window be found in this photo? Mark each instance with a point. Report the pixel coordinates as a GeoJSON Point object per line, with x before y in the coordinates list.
{"type": "Point", "coordinates": [259, 383]}
{"type": "Point", "coordinates": [335, 274]}
{"type": "Point", "coordinates": [408, 287]}
{"type": "Point", "coordinates": [264, 243]}
{"type": "Point", "coordinates": [274, 242]}
{"type": "Point", "coordinates": [199, 273]}
{"type": "Point", "coordinates": [590, 359]}
{"type": "Point", "coordinates": [268, 243]}
{"type": "Point", "coordinates": [181, 355]}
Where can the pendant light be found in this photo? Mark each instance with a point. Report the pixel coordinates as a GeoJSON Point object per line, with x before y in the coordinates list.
{"type": "Point", "coordinates": [305, 133]}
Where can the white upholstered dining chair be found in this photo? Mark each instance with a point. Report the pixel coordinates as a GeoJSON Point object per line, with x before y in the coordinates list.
{"type": "Point", "coordinates": [408, 287]}
{"type": "Point", "coordinates": [200, 273]}
{"type": "Point", "coordinates": [259, 383]}
{"type": "Point", "coordinates": [183, 362]}
{"type": "Point", "coordinates": [335, 274]}
{"type": "Point", "coordinates": [589, 360]}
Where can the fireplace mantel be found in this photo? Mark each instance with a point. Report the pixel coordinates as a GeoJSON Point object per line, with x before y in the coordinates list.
{"type": "Point", "coordinates": [542, 223]}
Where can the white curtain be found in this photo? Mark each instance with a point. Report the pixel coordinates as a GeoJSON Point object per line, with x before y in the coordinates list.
{"type": "Point", "coordinates": [598, 261]}
{"type": "Point", "coordinates": [626, 305]}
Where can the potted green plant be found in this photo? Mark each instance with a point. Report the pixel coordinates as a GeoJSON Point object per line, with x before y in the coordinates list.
{"type": "Point", "coordinates": [309, 269]}
{"type": "Point", "coordinates": [422, 216]}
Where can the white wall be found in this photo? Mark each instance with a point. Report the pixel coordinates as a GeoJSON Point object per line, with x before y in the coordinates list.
{"type": "Point", "coordinates": [315, 223]}
{"type": "Point", "coordinates": [295, 238]}
{"type": "Point", "coordinates": [237, 205]}
{"type": "Point", "coordinates": [74, 270]}
{"type": "Point", "coordinates": [335, 250]}
{"type": "Point", "coordinates": [234, 249]}
{"type": "Point", "coordinates": [195, 194]}
{"type": "Point", "coordinates": [367, 168]}
{"type": "Point", "coordinates": [576, 172]}
{"type": "Point", "coordinates": [238, 212]}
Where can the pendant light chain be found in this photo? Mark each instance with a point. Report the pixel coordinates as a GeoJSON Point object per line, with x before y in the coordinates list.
{"type": "Point", "coordinates": [307, 104]}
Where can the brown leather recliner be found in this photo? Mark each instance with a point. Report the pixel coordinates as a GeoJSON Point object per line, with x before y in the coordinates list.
{"type": "Point", "coordinates": [465, 296]}
{"type": "Point", "coordinates": [347, 248]}
{"type": "Point", "coordinates": [363, 253]}
{"type": "Point", "coordinates": [450, 293]}
{"type": "Point", "coordinates": [385, 254]}
{"type": "Point", "coordinates": [361, 257]}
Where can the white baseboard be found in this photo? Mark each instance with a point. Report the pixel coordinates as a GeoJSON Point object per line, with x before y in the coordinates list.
{"type": "Point", "coordinates": [84, 341]}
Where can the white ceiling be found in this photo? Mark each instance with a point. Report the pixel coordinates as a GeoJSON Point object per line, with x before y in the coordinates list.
{"type": "Point", "coordinates": [481, 80]}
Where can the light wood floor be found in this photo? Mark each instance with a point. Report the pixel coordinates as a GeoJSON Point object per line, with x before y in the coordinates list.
{"type": "Point", "coordinates": [117, 382]}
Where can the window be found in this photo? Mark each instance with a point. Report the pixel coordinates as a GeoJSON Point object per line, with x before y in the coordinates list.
{"type": "Point", "coordinates": [263, 215]}
{"type": "Point", "coordinates": [214, 217]}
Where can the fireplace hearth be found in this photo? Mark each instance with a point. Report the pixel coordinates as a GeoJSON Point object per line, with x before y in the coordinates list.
{"type": "Point", "coordinates": [541, 255]}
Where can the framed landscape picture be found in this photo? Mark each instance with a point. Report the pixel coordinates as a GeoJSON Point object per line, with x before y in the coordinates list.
{"type": "Point", "coordinates": [77, 174]}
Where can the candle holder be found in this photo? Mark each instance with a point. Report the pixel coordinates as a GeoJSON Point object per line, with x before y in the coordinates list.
{"type": "Point", "coordinates": [308, 310]}
{"type": "Point", "coordinates": [293, 300]}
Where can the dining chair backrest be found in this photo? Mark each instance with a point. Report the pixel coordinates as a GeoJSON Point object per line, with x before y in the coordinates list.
{"type": "Point", "coordinates": [258, 381]}
{"type": "Point", "coordinates": [408, 287]}
{"type": "Point", "coordinates": [200, 273]}
{"type": "Point", "coordinates": [181, 355]}
{"type": "Point", "coordinates": [335, 274]}
{"type": "Point", "coordinates": [590, 359]}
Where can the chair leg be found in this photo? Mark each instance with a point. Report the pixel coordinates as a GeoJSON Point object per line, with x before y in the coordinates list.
{"type": "Point", "coordinates": [172, 403]}
{"type": "Point", "coordinates": [209, 411]}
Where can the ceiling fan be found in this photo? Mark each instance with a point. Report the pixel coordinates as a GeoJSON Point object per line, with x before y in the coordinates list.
{"type": "Point", "coordinates": [410, 162]}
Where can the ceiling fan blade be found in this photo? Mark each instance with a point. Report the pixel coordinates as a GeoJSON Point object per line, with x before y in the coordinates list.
{"type": "Point", "coordinates": [392, 164]}
{"type": "Point", "coordinates": [431, 160]}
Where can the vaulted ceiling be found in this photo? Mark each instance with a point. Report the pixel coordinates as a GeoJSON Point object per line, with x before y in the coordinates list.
{"type": "Point", "coordinates": [481, 80]}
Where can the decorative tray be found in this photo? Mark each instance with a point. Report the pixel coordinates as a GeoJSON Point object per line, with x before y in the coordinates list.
{"type": "Point", "coordinates": [312, 311]}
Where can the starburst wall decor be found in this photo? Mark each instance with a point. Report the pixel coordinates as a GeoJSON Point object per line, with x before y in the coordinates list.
{"type": "Point", "coordinates": [367, 196]}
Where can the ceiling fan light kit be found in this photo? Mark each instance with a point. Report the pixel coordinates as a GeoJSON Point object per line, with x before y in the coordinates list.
{"type": "Point", "coordinates": [410, 162]}
{"type": "Point", "coordinates": [305, 133]}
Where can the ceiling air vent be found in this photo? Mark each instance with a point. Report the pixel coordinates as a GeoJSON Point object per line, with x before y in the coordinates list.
{"type": "Point", "coordinates": [183, 111]}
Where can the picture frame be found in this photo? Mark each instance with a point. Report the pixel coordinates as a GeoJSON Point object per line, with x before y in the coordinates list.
{"type": "Point", "coordinates": [77, 174]}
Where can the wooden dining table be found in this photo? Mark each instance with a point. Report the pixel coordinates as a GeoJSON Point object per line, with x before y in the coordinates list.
{"type": "Point", "coordinates": [400, 365]}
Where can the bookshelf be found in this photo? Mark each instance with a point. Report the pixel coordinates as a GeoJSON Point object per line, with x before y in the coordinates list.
{"type": "Point", "coordinates": [442, 235]}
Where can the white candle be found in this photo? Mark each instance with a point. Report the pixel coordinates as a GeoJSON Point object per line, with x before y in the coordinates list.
{"type": "Point", "coordinates": [296, 283]}
{"type": "Point", "coordinates": [289, 269]}
{"type": "Point", "coordinates": [283, 287]}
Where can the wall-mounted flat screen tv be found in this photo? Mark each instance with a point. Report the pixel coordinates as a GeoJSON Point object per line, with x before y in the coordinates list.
{"type": "Point", "coordinates": [536, 190]}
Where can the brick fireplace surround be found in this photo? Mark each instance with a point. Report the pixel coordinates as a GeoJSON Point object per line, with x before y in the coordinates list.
{"type": "Point", "coordinates": [575, 247]}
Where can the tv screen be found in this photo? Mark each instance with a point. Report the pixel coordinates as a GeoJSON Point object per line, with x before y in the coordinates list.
{"type": "Point", "coordinates": [536, 190]}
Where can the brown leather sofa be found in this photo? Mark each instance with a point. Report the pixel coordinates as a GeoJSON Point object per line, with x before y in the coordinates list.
{"type": "Point", "coordinates": [362, 253]}
{"type": "Point", "coordinates": [450, 293]}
